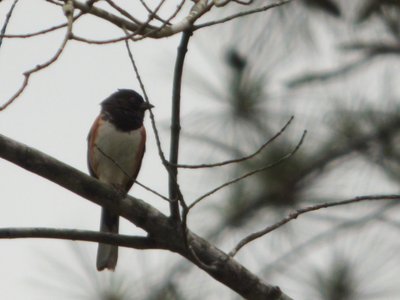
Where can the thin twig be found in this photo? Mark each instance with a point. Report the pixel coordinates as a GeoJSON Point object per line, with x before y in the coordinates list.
{"type": "Point", "coordinates": [129, 176]}
{"type": "Point", "coordinates": [137, 242]}
{"type": "Point", "coordinates": [54, 2]}
{"type": "Point", "coordinates": [123, 12]}
{"type": "Point", "coordinates": [241, 14]}
{"type": "Point", "coordinates": [40, 32]}
{"type": "Point", "coordinates": [279, 264]}
{"type": "Point", "coordinates": [132, 35]}
{"type": "Point", "coordinates": [237, 160]}
{"type": "Point", "coordinates": [7, 21]}
{"type": "Point", "coordinates": [117, 20]}
{"type": "Point", "coordinates": [44, 65]}
{"type": "Point", "coordinates": [151, 16]}
{"type": "Point", "coordinates": [146, 98]}
{"type": "Point", "coordinates": [153, 123]}
{"type": "Point", "coordinates": [282, 159]}
{"type": "Point", "coordinates": [301, 211]}
{"type": "Point", "coordinates": [151, 12]}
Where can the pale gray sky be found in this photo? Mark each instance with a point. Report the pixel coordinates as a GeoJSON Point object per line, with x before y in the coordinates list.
{"type": "Point", "coordinates": [54, 115]}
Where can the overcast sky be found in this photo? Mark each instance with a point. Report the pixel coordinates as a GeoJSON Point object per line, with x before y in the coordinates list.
{"type": "Point", "coordinates": [54, 115]}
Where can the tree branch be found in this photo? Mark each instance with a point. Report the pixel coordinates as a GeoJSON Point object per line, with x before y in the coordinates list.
{"type": "Point", "coordinates": [264, 168]}
{"type": "Point", "coordinates": [143, 215]}
{"type": "Point", "coordinates": [41, 32]}
{"type": "Point", "coordinates": [241, 159]}
{"type": "Point", "coordinates": [241, 14]}
{"type": "Point", "coordinates": [137, 242]}
{"type": "Point", "coordinates": [302, 211]}
{"type": "Point", "coordinates": [198, 9]}
{"type": "Point", "coordinates": [7, 21]}
{"type": "Point", "coordinates": [174, 192]}
{"type": "Point", "coordinates": [69, 14]}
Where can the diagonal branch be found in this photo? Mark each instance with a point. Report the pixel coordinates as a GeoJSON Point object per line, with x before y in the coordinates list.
{"type": "Point", "coordinates": [69, 14]}
{"type": "Point", "coordinates": [198, 10]}
{"type": "Point", "coordinates": [127, 174]}
{"type": "Point", "coordinates": [237, 160]}
{"type": "Point", "coordinates": [152, 118]}
{"type": "Point", "coordinates": [7, 21]}
{"type": "Point", "coordinates": [279, 161]}
{"type": "Point", "coordinates": [241, 14]}
{"type": "Point", "coordinates": [123, 12]}
{"type": "Point", "coordinates": [302, 211]}
{"type": "Point", "coordinates": [154, 12]}
{"type": "Point", "coordinates": [133, 36]}
{"type": "Point", "coordinates": [40, 32]}
{"type": "Point", "coordinates": [158, 226]}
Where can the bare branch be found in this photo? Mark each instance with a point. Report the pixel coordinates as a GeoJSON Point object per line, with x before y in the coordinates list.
{"type": "Point", "coordinates": [27, 74]}
{"type": "Point", "coordinates": [132, 36]}
{"type": "Point", "coordinates": [154, 13]}
{"type": "Point", "coordinates": [287, 156]}
{"type": "Point", "coordinates": [158, 226]}
{"type": "Point", "coordinates": [146, 98]}
{"type": "Point", "coordinates": [241, 14]}
{"type": "Point", "coordinates": [237, 160]}
{"type": "Point", "coordinates": [7, 21]}
{"type": "Point", "coordinates": [302, 211]}
{"type": "Point", "coordinates": [174, 191]}
{"type": "Point", "coordinates": [123, 12]}
{"type": "Point", "coordinates": [303, 248]}
{"type": "Point", "coordinates": [198, 9]}
{"type": "Point", "coordinates": [155, 130]}
{"type": "Point", "coordinates": [137, 242]}
{"type": "Point", "coordinates": [41, 32]}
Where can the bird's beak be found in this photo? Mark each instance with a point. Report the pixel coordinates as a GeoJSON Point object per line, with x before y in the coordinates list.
{"type": "Point", "coordinates": [146, 106]}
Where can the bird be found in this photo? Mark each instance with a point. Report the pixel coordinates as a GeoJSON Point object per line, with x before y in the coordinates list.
{"type": "Point", "coordinates": [116, 145]}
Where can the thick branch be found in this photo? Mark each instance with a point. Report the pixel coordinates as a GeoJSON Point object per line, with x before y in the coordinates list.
{"type": "Point", "coordinates": [176, 125]}
{"type": "Point", "coordinates": [228, 271]}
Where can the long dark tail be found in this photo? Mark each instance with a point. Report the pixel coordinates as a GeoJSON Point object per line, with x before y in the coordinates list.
{"type": "Point", "coordinates": [107, 255]}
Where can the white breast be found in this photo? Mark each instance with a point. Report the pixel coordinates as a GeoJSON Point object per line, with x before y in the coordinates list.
{"type": "Point", "coordinates": [116, 155]}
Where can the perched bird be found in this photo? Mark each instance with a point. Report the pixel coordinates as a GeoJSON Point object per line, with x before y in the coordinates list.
{"type": "Point", "coordinates": [116, 144]}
